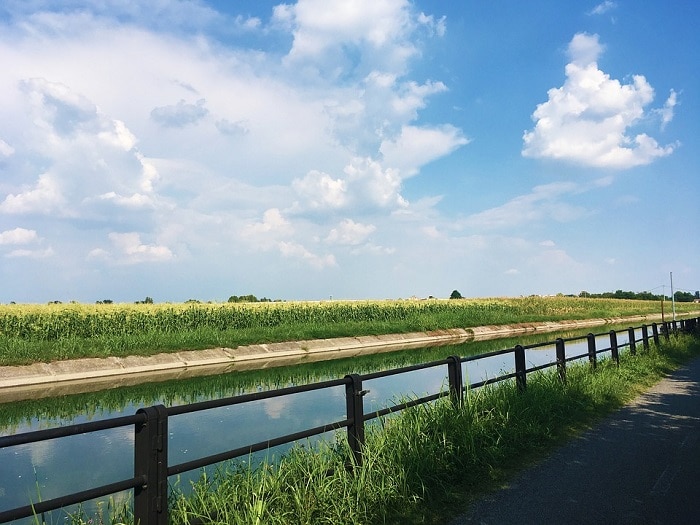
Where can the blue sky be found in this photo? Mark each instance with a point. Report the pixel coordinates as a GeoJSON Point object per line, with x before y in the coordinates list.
{"type": "Point", "coordinates": [348, 149]}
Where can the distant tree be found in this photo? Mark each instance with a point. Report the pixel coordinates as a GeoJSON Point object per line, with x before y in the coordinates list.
{"type": "Point", "coordinates": [147, 300]}
{"type": "Point", "coordinates": [584, 293]}
{"type": "Point", "coordinates": [243, 299]}
{"type": "Point", "coordinates": [683, 297]}
{"type": "Point", "coordinates": [455, 295]}
{"type": "Point", "coordinates": [697, 295]}
{"type": "Point", "coordinates": [104, 301]}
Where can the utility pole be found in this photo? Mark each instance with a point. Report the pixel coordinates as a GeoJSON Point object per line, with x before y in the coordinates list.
{"type": "Point", "coordinates": [673, 299]}
{"type": "Point", "coordinates": [663, 298]}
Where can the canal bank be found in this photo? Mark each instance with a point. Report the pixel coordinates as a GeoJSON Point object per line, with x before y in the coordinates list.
{"type": "Point", "coordinates": [81, 375]}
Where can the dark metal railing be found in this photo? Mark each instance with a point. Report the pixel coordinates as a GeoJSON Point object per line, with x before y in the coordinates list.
{"type": "Point", "coordinates": [151, 469]}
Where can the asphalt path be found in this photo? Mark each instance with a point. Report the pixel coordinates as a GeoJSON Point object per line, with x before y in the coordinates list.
{"type": "Point", "coordinates": [641, 465]}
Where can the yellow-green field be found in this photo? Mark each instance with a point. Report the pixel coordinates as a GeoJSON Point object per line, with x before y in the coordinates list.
{"type": "Point", "coordinates": [30, 333]}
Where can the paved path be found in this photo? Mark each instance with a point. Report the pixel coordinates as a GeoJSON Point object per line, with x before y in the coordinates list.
{"type": "Point", "coordinates": [640, 466]}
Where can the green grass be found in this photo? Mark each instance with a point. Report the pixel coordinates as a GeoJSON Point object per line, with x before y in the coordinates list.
{"type": "Point", "coordinates": [45, 333]}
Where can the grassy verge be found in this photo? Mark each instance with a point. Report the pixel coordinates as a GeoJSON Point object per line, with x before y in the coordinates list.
{"type": "Point", "coordinates": [44, 333]}
{"type": "Point", "coordinates": [429, 458]}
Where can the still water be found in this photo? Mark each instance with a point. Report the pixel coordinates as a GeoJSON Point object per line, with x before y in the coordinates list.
{"type": "Point", "coordinates": [51, 468]}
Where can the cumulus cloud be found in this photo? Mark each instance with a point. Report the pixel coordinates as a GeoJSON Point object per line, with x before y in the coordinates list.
{"type": "Point", "coordinates": [364, 185]}
{"type": "Point", "coordinates": [297, 251]}
{"type": "Point", "coordinates": [210, 140]}
{"type": "Point", "coordinates": [18, 236]}
{"type": "Point", "coordinates": [350, 233]}
{"type": "Point", "coordinates": [272, 223]}
{"type": "Point", "coordinates": [337, 39]}
{"type": "Point", "coordinates": [129, 249]}
{"type": "Point", "coordinates": [589, 119]}
{"type": "Point", "coordinates": [42, 198]}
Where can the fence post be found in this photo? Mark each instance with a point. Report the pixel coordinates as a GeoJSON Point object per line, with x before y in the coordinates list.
{"type": "Point", "coordinates": [592, 354]}
{"type": "Point", "coordinates": [633, 340]}
{"type": "Point", "coordinates": [356, 413]}
{"type": "Point", "coordinates": [655, 332]}
{"type": "Point", "coordinates": [520, 368]}
{"type": "Point", "coordinates": [645, 336]}
{"type": "Point", "coordinates": [613, 347]}
{"type": "Point", "coordinates": [665, 330]}
{"type": "Point", "coordinates": [454, 375]}
{"type": "Point", "coordinates": [561, 359]}
{"type": "Point", "coordinates": [151, 462]}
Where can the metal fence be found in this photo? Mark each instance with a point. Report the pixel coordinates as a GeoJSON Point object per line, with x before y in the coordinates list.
{"type": "Point", "coordinates": [151, 469]}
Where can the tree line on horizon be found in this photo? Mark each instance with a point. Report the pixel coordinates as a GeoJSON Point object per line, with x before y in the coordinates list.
{"type": "Point", "coordinates": [679, 296]}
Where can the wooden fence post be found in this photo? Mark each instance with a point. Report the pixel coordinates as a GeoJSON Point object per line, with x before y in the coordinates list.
{"type": "Point", "coordinates": [645, 337]}
{"type": "Point", "coordinates": [520, 368]}
{"type": "Point", "coordinates": [655, 332]}
{"type": "Point", "coordinates": [633, 341]}
{"type": "Point", "coordinates": [613, 347]}
{"type": "Point", "coordinates": [454, 375]}
{"type": "Point", "coordinates": [561, 359]}
{"type": "Point", "coordinates": [592, 354]}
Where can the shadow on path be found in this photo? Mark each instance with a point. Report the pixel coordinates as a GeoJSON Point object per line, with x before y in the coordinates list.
{"type": "Point", "coordinates": [641, 465]}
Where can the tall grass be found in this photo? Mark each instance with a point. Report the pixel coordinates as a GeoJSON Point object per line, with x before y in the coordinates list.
{"type": "Point", "coordinates": [35, 333]}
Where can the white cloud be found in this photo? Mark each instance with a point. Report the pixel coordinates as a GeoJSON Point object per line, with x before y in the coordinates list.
{"type": "Point", "coordinates": [417, 146]}
{"type": "Point", "coordinates": [364, 184]}
{"type": "Point", "coordinates": [43, 198]}
{"type": "Point", "coordinates": [272, 223]}
{"type": "Point", "coordinates": [295, 250]}
{"type": "Point", "coordinates": [603, 7]}
{"type": "Point", "coordinates": [666, 113]}
{"type": "Point", "coordinates": [589, 119]}
{"type": "Point", "coordinates": [30, 254]}
{"type": "Point", "coordinates": [5, 149]}
{"type": "Point", "coordinates": [192, 148]}
{"type": "Point", "coordinates": [130, 250]}
{"type": "Point", "coordinates": [321, 191]}
{"type": "Point", "coordinates": [335, 38]}
{"type": "Point", "coordinates": [350, 233]}
{"type": "Point", "coordinates": [543, 203]}
{"type": "Point", "coordinates": [134, 201]}
{"type": "Point", "coordinates": [439, 27]}
{"type": "Point", "coordinates": [18, 236]}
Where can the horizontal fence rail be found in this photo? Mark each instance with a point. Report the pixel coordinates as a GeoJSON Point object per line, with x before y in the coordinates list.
{"type": "Point", "coordinates": [151, 469]}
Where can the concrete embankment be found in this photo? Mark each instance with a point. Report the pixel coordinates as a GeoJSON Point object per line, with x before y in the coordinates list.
{"type": "Point", "coordinates": [80, 375]}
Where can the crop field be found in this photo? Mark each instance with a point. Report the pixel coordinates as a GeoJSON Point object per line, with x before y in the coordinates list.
{"type": "Point", "coordinates": [58, 331]}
